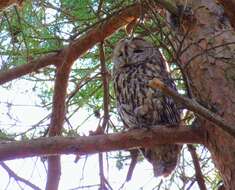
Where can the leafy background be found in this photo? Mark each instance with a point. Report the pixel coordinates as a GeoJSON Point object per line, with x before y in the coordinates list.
{"type": "Point", "coordinates": [45, 26]}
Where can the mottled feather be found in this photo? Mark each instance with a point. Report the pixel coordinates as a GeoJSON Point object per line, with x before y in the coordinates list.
{"type": "Point", "coordinates": [136, 62]}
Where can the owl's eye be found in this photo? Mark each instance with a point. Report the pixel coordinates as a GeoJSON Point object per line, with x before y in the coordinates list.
{"type": "Point", "coordinates": [138, 50]}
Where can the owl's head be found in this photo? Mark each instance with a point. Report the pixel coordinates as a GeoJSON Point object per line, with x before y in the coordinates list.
{"type": "Point", "coordinates": [131, 51]}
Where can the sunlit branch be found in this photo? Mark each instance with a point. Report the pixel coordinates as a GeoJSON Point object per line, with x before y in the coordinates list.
{"type": "Point", "coordinates": [83, 145]}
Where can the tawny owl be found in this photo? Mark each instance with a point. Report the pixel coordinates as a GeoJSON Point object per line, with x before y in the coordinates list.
{"type": "Point", "coordinates": [136, 62]}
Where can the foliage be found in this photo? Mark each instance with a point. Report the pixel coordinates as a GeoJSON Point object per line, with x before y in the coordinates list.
{"type": "Point", "coordinates": [45, 26]}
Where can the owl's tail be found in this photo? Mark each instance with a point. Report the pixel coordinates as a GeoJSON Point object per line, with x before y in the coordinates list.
{"type": "Point", "coordinates": [164, 158]}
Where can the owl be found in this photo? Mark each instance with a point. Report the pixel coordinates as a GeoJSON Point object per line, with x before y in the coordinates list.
{"type": "Point", "coordinates": [136, 62]}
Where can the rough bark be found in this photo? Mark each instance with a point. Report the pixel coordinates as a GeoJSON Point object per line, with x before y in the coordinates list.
{"type": "Point", "coordinates": [209, 64]}
{"type": "Point", "coordinates": [194, 106]}
{"type": "Point", "coordinates": [229, 6]}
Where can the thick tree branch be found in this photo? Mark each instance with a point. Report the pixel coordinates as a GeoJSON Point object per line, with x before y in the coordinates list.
{"type": "Point", "coordinates": [194, 106]}
{"type": "Point", "coordinates": [57, 122]}
{"type": "Point", "coordinates": [101, 143]}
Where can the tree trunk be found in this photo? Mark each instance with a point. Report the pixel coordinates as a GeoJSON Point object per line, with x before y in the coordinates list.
{"type": "Point", "coordinates": [209, 64]}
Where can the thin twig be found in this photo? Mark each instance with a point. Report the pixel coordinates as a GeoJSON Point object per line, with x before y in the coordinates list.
{"type": "Point", "coordinates": [12, 174]}
{"type": "Point", "coordinates": [105, 79]}
{"type": "Point", "coordinates": [106, 110]}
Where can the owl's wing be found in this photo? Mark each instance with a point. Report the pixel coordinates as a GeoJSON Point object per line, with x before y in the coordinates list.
{"type": "Point", "coordinates": [126, 113]}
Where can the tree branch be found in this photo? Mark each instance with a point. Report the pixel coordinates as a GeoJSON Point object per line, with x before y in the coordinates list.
{"type": "Point", "coordinates": [134, 158]}
{"type": "Point", "coordinates": [54, 172]}
{"type": "Point", "coordinates": [74, 50]}
{"type": "Point", "coordinates": [7, 3]}
{"type": "Point", "coordinates": [193, 106]}
{"type": "Point", "coordinates": [199, 175]}
{"type": "Point", "coordinates": [11, 173]}
{"type": "Point", "coordinates": [105, 82]}
{"type": "Point", "coordinates": [57, 121]}
{"type": "Point", "coordinates": [33, 66]}
{"type": "Point", "coordinates": [79, 46]}
{"type": "Point", "coordinates": [101, 143]}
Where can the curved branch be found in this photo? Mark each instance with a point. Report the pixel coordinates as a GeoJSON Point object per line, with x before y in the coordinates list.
{"type": "Point", "coordinates": [71, 53]}
{"type": "Point", "coordinates": [57, 122]}
{"type": "Point", "coordinates": [81, 45]}
{"type": "Point", "coordinates": [78, 46]}
{"type": "Point", "coordinates": [101, 143]}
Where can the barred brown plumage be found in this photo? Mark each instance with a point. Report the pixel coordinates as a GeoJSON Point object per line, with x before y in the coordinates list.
{"type": "Point", "coordinates": [136, 62]}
